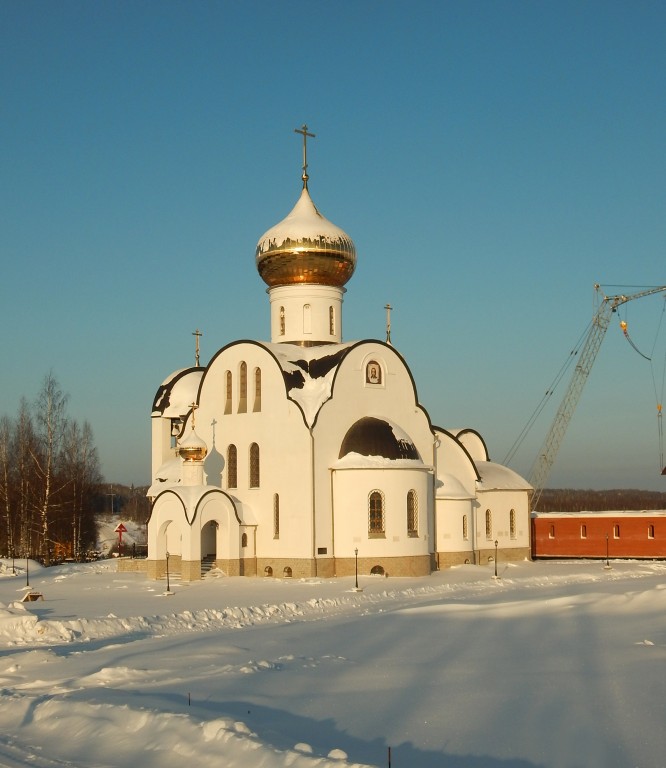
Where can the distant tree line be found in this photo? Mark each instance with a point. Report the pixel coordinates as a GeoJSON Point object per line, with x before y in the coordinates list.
{"type": "Point", "coordinates": [49, 480]}
{"type": "Point", "coordinates": [128, 502]}
{"type": "Point", "coordinates": [574, 500]}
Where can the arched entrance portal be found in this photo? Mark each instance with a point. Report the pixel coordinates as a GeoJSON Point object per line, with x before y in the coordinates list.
{"type": "Point", "coordinates": [208, 546]}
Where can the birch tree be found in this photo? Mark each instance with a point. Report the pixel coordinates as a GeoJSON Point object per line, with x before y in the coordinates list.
{"type": "Point", "coordinates": [51, 420]}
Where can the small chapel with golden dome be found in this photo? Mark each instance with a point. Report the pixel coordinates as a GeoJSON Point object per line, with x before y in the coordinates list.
{"type": "Point", "coordinates": [311, 456]}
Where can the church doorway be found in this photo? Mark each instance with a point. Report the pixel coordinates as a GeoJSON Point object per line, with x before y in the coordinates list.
{"type": "Point", "coordinates": [209, 545]}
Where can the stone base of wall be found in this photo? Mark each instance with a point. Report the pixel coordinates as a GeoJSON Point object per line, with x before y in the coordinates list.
{"type": "Point", "coordinates": [483, 556]}
{"type": "Point", "coordinates": [420, 565]}
{"type": "Point", "coordinates": [325, 568]}
{"type": "Point", "coordinates": [127, 565]}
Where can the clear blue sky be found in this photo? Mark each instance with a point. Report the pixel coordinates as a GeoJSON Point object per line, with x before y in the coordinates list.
{"type": "Point", "coordinates": [491, 160]}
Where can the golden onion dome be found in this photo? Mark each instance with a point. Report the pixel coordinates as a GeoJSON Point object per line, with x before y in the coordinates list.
{"type": "Point", "coordinates": [305, 248]}
{"type": "Point", "coordinates": [192, 448]}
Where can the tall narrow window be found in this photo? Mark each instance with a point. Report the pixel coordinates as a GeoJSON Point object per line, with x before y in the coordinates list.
{"type": "Point", "coordinates": [412, 514]}
{"type": "Point", "coordinates": [254, 466]}
{"type": "Point", "coordinates": [276, 516]}
{"type": "Point", "coordinates": [242, 388]}
{"type": "Point", "coordinates": [307, 318]}
{"type": "Point", "coordinates": [282, 322]}
{"type": "Point", "coordinates": [228, 392]}
{"type": "Point", "coordinates": [465, 528]}
{"type": "Point", "coordinates": [331, 321]}
{"type": "Point", "coordinates": [257, 390]}
{"type": "Point", "coordinates": [244, 540]}
{"type": "Point", "coordinates": [650, 531]}
{"type": "Point", "coordinates": [512, 523]}
{"type": "Point", "coordinates": [232, 467]}
{"type": "Point", "coordinates": [583, 531]}
{"type": "Point", "coordinates": [489, 524]}
{"type": "Point", "coordinates": [376, 514]}
{"type": "Point", "coordinates": [551, 531]}
{"type": "Point", "coordinates": [616, 531]}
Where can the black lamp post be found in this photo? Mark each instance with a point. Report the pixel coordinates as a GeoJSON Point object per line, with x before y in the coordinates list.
{"type": "Point", "coordinates": [168, 589]}
{"type": "Point", "coordinates": [496, 543]}
{"type": "Point", "coordinates": [607, 561]}
{"type": "Point", "coordinates": [27, 573]}
{"type": "Point", "coordinates": [356, 562]}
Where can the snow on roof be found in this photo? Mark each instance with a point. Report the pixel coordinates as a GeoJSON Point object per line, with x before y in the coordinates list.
{"type": "Point", "coordinates": [303, 222]}
{"type": "Point", "coordinates": [449, 487]}
{"type": "Point", "coordinates": [358, 461]}
{"type": "Point", "coordinates": [308, 373]}
{"type": "Point", "coordinates": [496, 477]}
{"type": "Point", "coordinates": [167, 476]}
{"type": "Point", "coordinates": [177, 393]}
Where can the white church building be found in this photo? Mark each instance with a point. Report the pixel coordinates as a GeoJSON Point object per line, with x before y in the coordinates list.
{"type": "Point", "coordinates": [307, 455]}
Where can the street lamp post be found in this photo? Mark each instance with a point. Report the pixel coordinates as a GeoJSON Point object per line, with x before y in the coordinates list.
{"type": "Point", "coordinates": [496, 544]}
{"type": "Point", "coordinates": [356, 567]}
{"type": "Point", "coordinates": [27, 573]}
{"type": "Point", "coordinates": [607, 566]}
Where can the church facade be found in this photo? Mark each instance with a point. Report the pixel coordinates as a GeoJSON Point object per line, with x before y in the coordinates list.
{"type": "Point", "coordinates": [309, 456]}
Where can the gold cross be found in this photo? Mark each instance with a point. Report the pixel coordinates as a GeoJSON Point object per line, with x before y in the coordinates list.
{"type": "Point", "coordinates": [304, 132]}
{"type": "Point", "coordinates": [193, 406]}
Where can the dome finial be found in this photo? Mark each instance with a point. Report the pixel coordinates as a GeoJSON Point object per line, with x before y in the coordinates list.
{"type": "Point", "coordinates": [304, 132]}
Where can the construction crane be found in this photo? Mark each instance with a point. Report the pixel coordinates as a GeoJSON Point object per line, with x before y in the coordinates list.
{"type": "Point", "coordinates": [551, 445]}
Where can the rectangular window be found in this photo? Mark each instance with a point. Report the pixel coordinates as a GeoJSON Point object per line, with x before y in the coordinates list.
{"type": "Point", "coordinates": [551, 531]}
{"type": "Point", "coordinates": [583, 531]}
{"type": "Point", "coordinates": [616, 531]}
{"type": "Point", "coordinates": [650, 531]}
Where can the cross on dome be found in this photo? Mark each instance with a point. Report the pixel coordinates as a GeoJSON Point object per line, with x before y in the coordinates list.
{"type": "Point", "coordinates": [304, 132]}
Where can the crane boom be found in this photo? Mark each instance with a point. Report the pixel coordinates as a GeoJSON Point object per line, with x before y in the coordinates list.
{"type": "Point", "coordinates": [595, 336]}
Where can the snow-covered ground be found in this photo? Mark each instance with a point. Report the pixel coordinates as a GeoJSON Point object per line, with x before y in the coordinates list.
{"type": "Point", "coordinates": [556, 664]}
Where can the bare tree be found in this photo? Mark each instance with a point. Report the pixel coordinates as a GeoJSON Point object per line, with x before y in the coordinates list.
{"type": "Point", "coordinates": [23, 448]}
{"type": "Point", "coordinates": [5, 483]}
{"type": "Point", "coordinates": [51, 420]}
{"type": "Point", "coordinates": [81, 468]}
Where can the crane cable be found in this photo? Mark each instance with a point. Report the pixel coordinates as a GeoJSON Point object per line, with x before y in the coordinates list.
{"type": "Point", "coordinates": [547, 395]}
{"type": "Point", "coordinates": [658, 391]}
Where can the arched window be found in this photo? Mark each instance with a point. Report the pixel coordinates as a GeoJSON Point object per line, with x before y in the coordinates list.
{"type": "Point", "coordinates": [282, 322]}
{"type": "Point", "coordinates": [268, 571]}
{"type": "Point", "coordinates": [242, 393]}
{"type": "Point", "coordinates": [331, 321]}
{"type": "Point", "coordinates": [376, 514]}
{"type": "Point", "coordinates": [512, 523]}
{"type": "Point", "coordinates": [244, 540]}
{"type": "Point", "coordinates": [287, 572]}
{"type": "Point", "coordinates": [616, 531]}
{"type": "Point", "coordinates": [276, 516]}
{"type": "Point", "coordinates": [412, 514]}
{"type": "Point", "coordinates": [257, 390]}
{"type": "Point", "coordinates": [228, 392]}
{"type": "Point", "coordinates": [254, 466]}
{"type": "Point", "coordinates": [489, 524]}
{"type": "Point", "coordinates": [232, 467]}
{"type": "Point", "coordinates": [465, 528]}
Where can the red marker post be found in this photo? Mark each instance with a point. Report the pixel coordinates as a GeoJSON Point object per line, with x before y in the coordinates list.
{"type": "Point", "coordinates": [120, 529]}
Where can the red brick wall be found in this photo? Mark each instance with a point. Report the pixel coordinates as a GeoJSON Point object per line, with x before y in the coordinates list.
{"type": "Point", "coordinates": [555, 536]}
